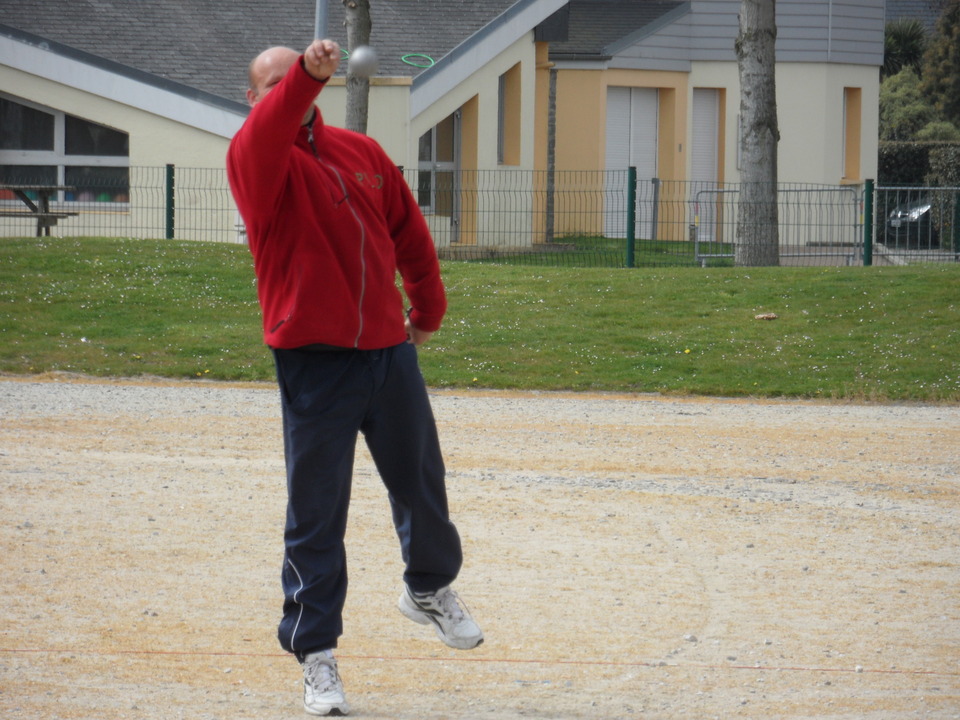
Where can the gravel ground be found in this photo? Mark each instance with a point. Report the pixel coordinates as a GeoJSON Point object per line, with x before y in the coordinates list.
{"type": "Point", "coordinates": [628, 557]}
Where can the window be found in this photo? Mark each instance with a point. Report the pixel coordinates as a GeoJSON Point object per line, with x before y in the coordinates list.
{"type": "Point", "coordinates": [508, 117]}
{"type": "Point", "coordinates": [41, 146]}
{"type": "Point", "coordinates": [437, 165]}
{"type": "Point", "coordinates": [852, 99]}
{"type": "Point", "coordinates": [24, 128]}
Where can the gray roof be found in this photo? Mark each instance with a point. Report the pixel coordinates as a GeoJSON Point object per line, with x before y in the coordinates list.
{"type": "Point", "coordinates": [597, 24]}
{"type": "Point", "coordinates": [206, 45]}
{"type": "Point", "coordinates": [201, 48]}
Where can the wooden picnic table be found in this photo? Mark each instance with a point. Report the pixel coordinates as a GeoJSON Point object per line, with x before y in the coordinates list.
{"type": "Point", "coordinates": [41, 209]}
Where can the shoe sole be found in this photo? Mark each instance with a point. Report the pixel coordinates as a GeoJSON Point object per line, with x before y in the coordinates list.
{"type": "Point", "coordinates": [336, 711]}
{"type": "Point", "coordinates": [424, 618]}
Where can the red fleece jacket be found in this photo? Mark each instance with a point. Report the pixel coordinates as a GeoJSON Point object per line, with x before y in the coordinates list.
{"type": "Point", "coordinates": [330, 221]}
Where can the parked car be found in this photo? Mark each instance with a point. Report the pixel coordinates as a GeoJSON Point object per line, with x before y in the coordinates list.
{"type": "Point", "coordinates": [910, 224]}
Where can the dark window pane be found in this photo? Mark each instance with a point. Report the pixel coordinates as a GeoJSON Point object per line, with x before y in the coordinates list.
{"type": "Point", "coordinates": [443, 198]}
{"type": "Point", "coordinates": [87, 138]}
{"type": "Point", "coordinates": [445, 140]}
{"type": "Point", "coordinates": [28, 174]}
{"type": "Point", "coordinates": [23, 128]}
{"type": "Point", "coordinates": [97, 184]}
{"type": "Point", "coordinates": [426, 147]}
{"type": "Point", "coordinates": [424, 188]}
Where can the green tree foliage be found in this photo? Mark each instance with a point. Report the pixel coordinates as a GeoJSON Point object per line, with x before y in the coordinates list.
{"type": "Point", "coordinates": [904, 43]}
{"type": "Point", "coordinates": [903, 163]}
{"type": "Point", "coordinates": [941, 65]}
{"type": "Point", "coordinates": [904, 110]}
{"type": "Point", "coordinates": [945, 166]}
{"type": "Point", "coordinates": [939, 131]}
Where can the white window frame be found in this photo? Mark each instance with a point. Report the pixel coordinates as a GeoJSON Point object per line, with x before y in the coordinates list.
{"type": "Point", "coordinates": [58, 157]}
{"type": "Point", "coordinates": [434, 166]}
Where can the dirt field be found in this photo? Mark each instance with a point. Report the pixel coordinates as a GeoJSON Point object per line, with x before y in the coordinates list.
{"type": "Point", "coordinates": [627, 557]}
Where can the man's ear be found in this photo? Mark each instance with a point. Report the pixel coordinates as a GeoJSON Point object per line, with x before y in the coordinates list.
{"type": "Point", "coordinates": [251, 97]}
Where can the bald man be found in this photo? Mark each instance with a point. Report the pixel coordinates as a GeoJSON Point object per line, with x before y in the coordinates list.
{"type": "Point", "coordinates": [330, 222]}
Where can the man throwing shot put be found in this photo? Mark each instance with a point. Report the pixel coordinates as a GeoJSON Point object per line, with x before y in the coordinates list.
{"type": "Point", "coordinates": [330, 222]}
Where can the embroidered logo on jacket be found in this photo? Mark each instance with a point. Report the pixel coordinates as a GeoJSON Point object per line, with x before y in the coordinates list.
{"type": "Point", "coordinates": [375, 182]}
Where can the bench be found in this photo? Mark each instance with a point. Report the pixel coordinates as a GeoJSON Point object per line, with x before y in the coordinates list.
{"type": "Point", "coordinates": [45, 220]}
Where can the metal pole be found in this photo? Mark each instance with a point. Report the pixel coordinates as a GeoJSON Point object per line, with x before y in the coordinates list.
{"type": "Point", "coordinates": [170, 202]}
{"type": "Point", "coordinates": [631, 213]}
{"type": "Point", "coordinates": [956, 223]}
{"type": "Point", "coordinates": [551, 155]}
{"type": "Point", "coordinates": [868, 223]}
{"type": "Point", "coordinates": [320, 24]}
{"type": "Point", "coordinates": [655, 213]}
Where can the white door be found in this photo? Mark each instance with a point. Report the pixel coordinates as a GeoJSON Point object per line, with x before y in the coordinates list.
{"type": "Point", "coordinates": [704, 165]}
{"type": "Point", "coordinates": [631, 141]}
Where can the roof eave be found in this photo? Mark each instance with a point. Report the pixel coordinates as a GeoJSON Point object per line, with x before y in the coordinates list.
{"type": "Point", "coordinates": [466, 58]}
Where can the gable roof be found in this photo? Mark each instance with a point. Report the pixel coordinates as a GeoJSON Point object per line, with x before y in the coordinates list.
{"type": "Point", "coordinates": [207, 44]}
{"type": "Point", "coordinates": [601, 26]}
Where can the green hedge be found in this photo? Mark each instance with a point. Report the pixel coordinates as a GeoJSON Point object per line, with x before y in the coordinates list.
{"type": "Point", "coordinates": [945, 165]}
{"type": "Point", "coordinates": [918, 163]}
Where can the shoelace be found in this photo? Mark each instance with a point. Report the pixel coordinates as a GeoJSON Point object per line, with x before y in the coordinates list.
{"type": "Point", "coordinates": [450, 605]}
{"type": "Point", "coordinates": [321, 674]}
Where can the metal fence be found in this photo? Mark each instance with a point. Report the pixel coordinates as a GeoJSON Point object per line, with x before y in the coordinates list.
{"type": "Point", "coordinates": [916, 224]}
{"type": "Point", "coordinates": [144, 203]}
{"type": "Point", "coordinates": [587, 218]}
{"type": "Point", "coordinates": [818, 224]}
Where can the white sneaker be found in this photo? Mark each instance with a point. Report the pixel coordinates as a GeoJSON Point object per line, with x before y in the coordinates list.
{"type": "Point", "coordinates": [322, 688]}
{"type": "Point", "coordinates": [449, 616]}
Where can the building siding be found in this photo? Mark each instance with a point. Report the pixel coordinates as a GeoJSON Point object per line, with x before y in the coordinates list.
{"type": "Point", "coordinates": [847, 31]}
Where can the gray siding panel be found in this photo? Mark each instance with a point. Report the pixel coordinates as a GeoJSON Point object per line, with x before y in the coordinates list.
{"type": "Point", "coordinates": [848, 31]}
{"type": "Point", "coordinates": [667, 49]}
{"type": "Point", "coordinates": [824, 30]}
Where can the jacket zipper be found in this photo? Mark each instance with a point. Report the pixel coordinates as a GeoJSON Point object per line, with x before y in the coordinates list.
{"type": "Point", "coordinates": [363, 233]}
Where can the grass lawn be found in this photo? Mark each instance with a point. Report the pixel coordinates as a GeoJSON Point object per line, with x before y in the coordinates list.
{"type": "Point", "coordinates": [185, 309]}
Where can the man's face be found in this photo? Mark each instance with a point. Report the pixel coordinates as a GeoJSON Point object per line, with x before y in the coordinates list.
{"type": "Point", "coordinates": [267, 70]}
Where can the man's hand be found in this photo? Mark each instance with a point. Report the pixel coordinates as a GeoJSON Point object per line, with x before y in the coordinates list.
{"type": "Point", "coordinates": [416, 336]}
{"type": "Point", "coordinates": [321, 59]}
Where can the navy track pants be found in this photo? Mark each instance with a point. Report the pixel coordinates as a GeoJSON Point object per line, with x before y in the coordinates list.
{"type": "Point", "coordinates": [327, 398]}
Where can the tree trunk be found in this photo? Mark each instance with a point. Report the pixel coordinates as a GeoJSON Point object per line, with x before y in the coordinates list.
{"type": "Point", "coordinates": [758, 234]}
{"type": "Point", "coordinates": [358, 88]}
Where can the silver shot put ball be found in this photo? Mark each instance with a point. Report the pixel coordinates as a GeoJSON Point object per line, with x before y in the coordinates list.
{"type": "Point", "coordinates": [363, 61]}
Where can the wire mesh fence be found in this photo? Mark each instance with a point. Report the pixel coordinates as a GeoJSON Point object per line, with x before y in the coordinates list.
{"type": "Point", "coordinates": [143, 202]}
{"type": "Point", "coordinates": [572, 218]}
{"type": "Point", "coordinates": [916, 224]}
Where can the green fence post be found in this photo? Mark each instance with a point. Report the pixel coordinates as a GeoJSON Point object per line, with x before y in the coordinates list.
{"type": "Point", "coordinates": [868, 223]}
{"type": "Point", "coordinates": [631, 213]}
{"type": "Point", "coordinates": [956, 222]}
{"type": "Point", "coordinates": [170, 202]}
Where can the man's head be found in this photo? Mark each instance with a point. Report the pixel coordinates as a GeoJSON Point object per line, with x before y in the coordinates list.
{"type": "Point", "coordinates": [267, 69]}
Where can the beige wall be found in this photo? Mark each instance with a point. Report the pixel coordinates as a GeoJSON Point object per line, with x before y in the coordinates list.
{"type": "Point", "coordinates": [810, 116]}
{"type": "Point", "coordinates": [810, 113]}
{"type": "Point", "coordinates": [388, 114]}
